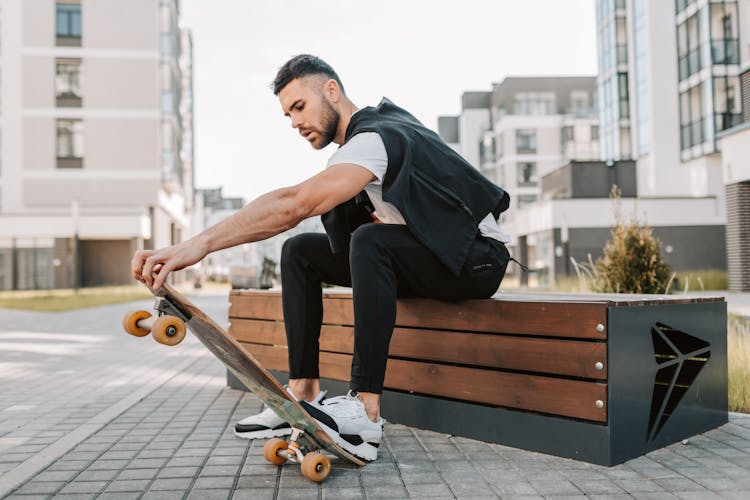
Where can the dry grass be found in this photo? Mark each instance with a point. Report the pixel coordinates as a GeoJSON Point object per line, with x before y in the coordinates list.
{"type": "Point", "coordinates": [64, 300]}
{"type": "Point", "coordinates": [738, 352]}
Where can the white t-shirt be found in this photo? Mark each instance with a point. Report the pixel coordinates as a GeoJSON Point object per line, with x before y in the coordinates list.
{"type": "Point", "coordinates": [367, 150]}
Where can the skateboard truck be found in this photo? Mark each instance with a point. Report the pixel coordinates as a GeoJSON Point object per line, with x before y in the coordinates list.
{"type": "Point", "coordinates": [167, 328]}
{"type": "Point", "coordinates": [166, 308]}
{"type": "Point", "coordinates": [315, 466]}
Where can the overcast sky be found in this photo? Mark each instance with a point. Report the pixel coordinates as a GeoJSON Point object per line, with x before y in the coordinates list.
{"type": "Point", "coordinates": [422, 54]}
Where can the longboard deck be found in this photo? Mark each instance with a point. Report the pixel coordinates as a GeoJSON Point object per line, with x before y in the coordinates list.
{"type": "Point", "coordinates": [251, 373]}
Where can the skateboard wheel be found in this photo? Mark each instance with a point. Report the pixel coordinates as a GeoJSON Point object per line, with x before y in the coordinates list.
{"type": "Point", "coordinates": [130, 323]}
{"type": "Point", "coordinates": [168, 330]}
{"type": "Point", "coordinates": [271, 449]}
{"type": "Point", "coordinates": [316, 466]}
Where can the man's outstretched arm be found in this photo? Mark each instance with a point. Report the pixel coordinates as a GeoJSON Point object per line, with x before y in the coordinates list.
{"type": "Point", "coordinates": [266, 216]}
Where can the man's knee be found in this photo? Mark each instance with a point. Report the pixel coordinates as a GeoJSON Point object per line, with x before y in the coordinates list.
{"type": "Point", "coordinates": [296, 246]}
{"type": "Point", "coordinates": [367, 237]}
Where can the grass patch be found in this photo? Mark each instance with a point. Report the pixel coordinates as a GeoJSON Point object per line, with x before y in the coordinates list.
{"type": "Point", "coordinates": [65, 300]}
{"type": "Point", "coordinates": [738, 353]}
{"type": "Point", "coordinates": [700, 280]}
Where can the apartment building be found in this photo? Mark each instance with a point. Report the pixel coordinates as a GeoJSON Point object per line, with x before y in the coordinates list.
{"type": "Point", "coordinates": [522, 129]}
{"type": "Point", "coordinates": [538, 124]}
{"type": "Point", "coordinates": [666, 85]}
{"type": "Point", "coordinates": [734, 144]}
{"type": "Point", "coordinates": [95, 138]}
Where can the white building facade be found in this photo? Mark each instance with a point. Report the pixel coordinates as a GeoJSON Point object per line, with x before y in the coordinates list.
{"type": "Point", "coordinates": [95, 138]}
{"type": "Point", "coordinates": [734, 144]}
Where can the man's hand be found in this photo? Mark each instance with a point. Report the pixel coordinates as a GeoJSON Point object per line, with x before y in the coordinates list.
{"type": "Point", "coordinates": [164, 261]}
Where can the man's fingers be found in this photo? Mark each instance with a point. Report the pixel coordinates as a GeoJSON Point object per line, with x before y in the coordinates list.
{"type": "Point", "coordinates": [162, 271]}
{"type": "Point", "coordinates": [136, 264]}
{"type": "Point", "coordinates": [148, 268]}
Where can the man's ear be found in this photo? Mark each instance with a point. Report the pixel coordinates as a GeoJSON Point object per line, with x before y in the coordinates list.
{"type": "Point", "coordinates": [332, 91]}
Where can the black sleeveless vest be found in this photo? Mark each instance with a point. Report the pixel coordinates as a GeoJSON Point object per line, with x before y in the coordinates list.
{"type": "Point", "coordinates": [441, 196]}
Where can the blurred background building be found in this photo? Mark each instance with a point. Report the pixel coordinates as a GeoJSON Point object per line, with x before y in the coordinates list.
{"type": "Point", "coordinates": [96, 146]}
{"type": "Point", "coordinates": [668, 116]}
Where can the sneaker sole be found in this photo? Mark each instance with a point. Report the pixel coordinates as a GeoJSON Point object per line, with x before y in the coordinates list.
{"type": "Point", "coordinates": [364, 451]}
{"type": "Point", "coordinates": [286, 431]}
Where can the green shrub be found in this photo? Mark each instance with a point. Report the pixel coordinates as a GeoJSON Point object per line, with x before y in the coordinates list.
{"type": "Point", "coordinates": [632, 260]}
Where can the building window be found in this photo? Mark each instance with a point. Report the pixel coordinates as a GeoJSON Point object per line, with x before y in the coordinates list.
{"type": "Point", "coordinates": [692, 123]}
{"type": "Point", "coordinates": [534, 103]}
{"type": "Point", "coordinates": [69, 143]}
{"type": "Point", "coordinates": [594, 132]}
{"type": "Point", "coordinates": [487, 150]}
{"type": "Point", "coordinates": [567, 134]}
{"type": "Point", "coordinates": [68, 23]}
{"type": "Point", "coordinates": [725, 45]}
{"type": "Point", "coordinates": [579, 103]}
{"type": "Point", "coordinates": [689, 53]}
{"type": "Point", "coordinates": [526, 199]}
{"type": "Point", "coordinates": [527, 174]}
{"type": "Point", "coordinates": [525, 141]}
{"type": "Point", "coordinates": [68, 83]}
{"type": "Point", "coordinates": [727, 107]}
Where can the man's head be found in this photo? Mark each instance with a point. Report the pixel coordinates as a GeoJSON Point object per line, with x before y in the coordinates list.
{"type": "Point", "coordinates": [311, 95]}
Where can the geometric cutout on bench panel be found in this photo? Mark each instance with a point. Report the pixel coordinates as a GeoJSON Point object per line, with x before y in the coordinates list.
{"type": "Point", "coordinates": [680, 357]}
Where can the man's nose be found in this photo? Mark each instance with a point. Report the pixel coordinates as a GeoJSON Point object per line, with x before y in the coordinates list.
{"type": "Point", "coordinates": [296, 122]}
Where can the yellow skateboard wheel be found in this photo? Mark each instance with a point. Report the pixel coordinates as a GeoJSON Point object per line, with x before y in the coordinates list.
{"type": "Point", "coordinates": [316, 466]}
{"type": "Point", "coordinates": [168, 330]}
{"type": "Point", "coordinates": [271, 449]}
{"type": "Point", "coordinates": [130, 323]}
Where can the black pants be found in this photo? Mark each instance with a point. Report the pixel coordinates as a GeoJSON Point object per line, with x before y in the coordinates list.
{"type": "Point", "coordinates": [385, 261]}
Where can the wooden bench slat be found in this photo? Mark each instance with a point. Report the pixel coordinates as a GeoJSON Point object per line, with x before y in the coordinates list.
{"type": "Point", "coordinates": [571, 398]}
{"type": "Point", "coordinates": [558, 357]}
{"type": "Point", "coordinates": [556, 319]}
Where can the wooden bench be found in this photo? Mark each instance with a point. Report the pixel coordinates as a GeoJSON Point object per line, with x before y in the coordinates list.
{"type": "Point", "coordinates": [601, 378]}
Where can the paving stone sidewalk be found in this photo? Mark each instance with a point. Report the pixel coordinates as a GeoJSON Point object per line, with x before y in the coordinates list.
{"type": "Point", "coordinates": [89, 412]}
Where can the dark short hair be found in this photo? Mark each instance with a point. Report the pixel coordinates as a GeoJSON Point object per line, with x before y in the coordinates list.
{"type": "Point", "coordinates": [303, 65]}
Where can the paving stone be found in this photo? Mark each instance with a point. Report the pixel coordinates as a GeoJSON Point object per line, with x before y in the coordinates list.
{"type": "Point", "coordinates": [554, 487]}
{"type": "Point", "coordinates": [110, 495]}
{"type": "Point", "coordinates": [128, 485]}
{"type": "Point", "coordinates": [342, 493]}
{"type": "Point", "coordinates": [97, 475]}
{"type": "Point", "coordinates": [421, 478]}
{"type": "Point", "coordinates": [254, 494]}
{"type": "Point", "coordinates": [598, 487]}
{"type": "Point", "coordinates": [147, 463]}
{"type": "Point", "coordinates": [428, 490]}
{"type": "Point", "coordinates": [61, 475]}
{"type": "Point", "coordinates": [206, 483]}
{"type": "Point", "coordinates": [84, 487]}
{"type": "Point", "coordinates": [40, 487]}
{"type": "Point", "coordinates": [219, 470]}
{"type": "Point", "coordinates": [679, 484]}
{"type": "Point", "coordinates": [169, 472]}
{"type": "Point", "coordinates": [108, 464]}
{"type": "Point", "coordinates": [163, 495]}
{"type": "Point", "coordinates": [180, 484]}
{"type": "Point", "coordinates": [213, 494]}
{"type": "Point", "coordinates": [137, 474]}
{"type": "Point", "coordinates": [639, 485]}
{"type": "Point", "coordinates": [166, 453]}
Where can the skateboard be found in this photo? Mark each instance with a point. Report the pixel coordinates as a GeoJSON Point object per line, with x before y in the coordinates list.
{"type": "Point", "coordinates": [304, 446]}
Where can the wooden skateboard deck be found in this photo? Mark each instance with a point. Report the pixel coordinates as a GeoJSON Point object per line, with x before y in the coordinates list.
{"type": "Point", "coordinates": [174, 308]}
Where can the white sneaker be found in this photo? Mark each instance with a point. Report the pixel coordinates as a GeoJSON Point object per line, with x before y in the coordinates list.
{"type": "Point", "coordinates": [345, 420]}
{"type": "Point", "coordinates": [267, 423]}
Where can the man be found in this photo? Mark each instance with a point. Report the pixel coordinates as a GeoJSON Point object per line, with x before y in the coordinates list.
{"type": "Point", "coordinates": [426, 227]}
